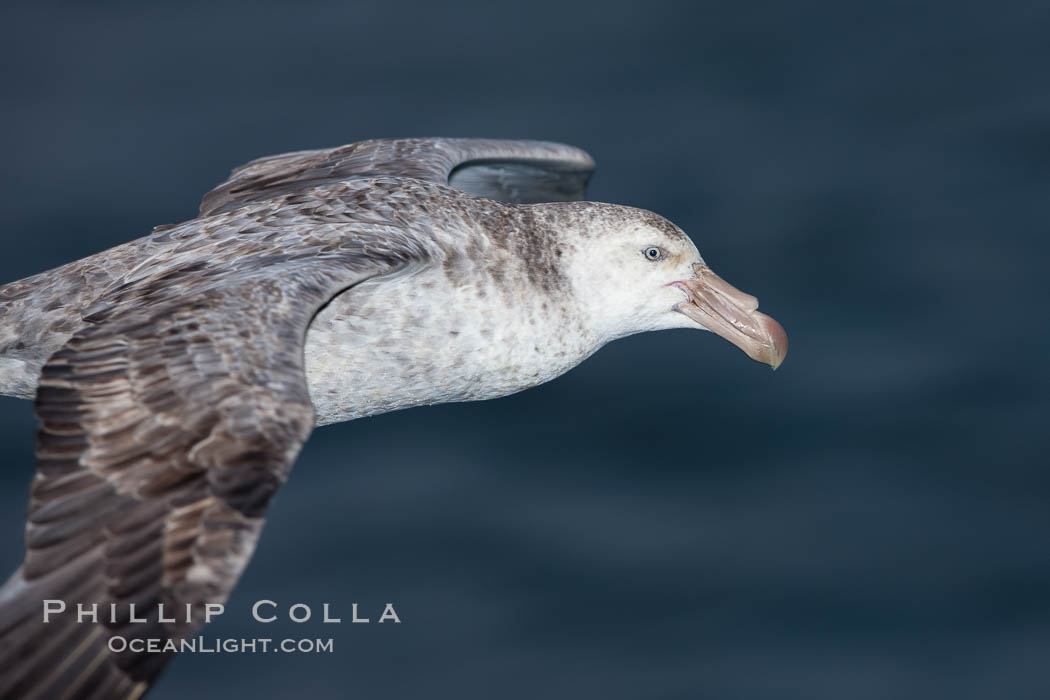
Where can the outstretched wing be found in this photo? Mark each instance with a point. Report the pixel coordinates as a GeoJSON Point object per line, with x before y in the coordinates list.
{"type": "Point", "coordinates": [166, 426]}
{"type": "Point", "coordinates": [520, 172]}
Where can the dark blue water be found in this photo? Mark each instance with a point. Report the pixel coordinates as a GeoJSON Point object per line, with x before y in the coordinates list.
{"type": "Point", "coordinates": [669, 520]}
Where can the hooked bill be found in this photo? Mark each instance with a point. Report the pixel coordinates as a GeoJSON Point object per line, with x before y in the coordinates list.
{"type": "Point", "coordinates": [723, 309]}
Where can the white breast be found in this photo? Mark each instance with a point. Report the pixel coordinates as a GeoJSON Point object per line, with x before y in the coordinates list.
{"type": "Point", "coordinates": [430, 337]}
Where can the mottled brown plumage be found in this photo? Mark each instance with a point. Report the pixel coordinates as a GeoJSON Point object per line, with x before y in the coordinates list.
{"type": "Point", "coordinates": [176, 377]}
{"type": "Point", "coordinates": [176, 402]}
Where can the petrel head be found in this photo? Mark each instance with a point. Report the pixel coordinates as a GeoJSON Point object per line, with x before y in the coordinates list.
{"type": "Point", "coordinates": [651, 277]}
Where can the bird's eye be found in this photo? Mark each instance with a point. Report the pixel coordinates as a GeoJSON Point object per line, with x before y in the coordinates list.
{"type": "Point", "coordinates": [653, 253]}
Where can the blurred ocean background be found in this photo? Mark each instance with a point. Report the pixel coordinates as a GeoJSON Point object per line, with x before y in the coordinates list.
{"type": "Point", "coordinates": [669, 520]}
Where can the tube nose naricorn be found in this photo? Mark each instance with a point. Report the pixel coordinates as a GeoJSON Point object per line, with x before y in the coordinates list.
{"type": "Point", "coordinates": [732, 314]}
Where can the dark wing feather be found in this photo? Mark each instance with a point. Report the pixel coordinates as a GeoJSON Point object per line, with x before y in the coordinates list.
{"type": "Point", "coordinates": [166, 426]}
{"type": "Point", "coordinates": [519, 172]}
